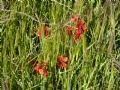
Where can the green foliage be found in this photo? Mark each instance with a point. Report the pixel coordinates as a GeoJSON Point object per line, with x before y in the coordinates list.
{"type": "Point", "coordinates": [94, 61]}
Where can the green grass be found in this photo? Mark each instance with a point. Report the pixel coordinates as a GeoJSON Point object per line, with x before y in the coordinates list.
{"type": "Point", "coordinates": [94, 61]}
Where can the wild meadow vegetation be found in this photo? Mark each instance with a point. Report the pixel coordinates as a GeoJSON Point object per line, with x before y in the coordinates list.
{"type": "Point", "coordinates": [60, 45]}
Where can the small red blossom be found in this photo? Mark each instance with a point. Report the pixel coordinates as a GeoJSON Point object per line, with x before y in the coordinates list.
{"type": "Point", "coordinates": [46, 33]}
{"type": "Point", "coordinates": [69, 30]}
{"type": "Point", "coordinates": [84, 27]}
{"type": "Point", "coordinates": [37, 67]}
{"type": "Point", "coordinates": [78, 31]}
{"type": "Point", "coordinates": [62, 64]}
{"type": "Point", "coordinates": [39, 33]}
{"type": "Point", "coordinates": [45, 72]}
{"type": "Point", "coordinates": [76, 37]}
{"type": "Point", "coordinates": [46, 30]}
{"type": "Point", "coordinates": [62, 61]}
{"type": "Point", "coordinates": [81, 25]}
{"type": "Point", "coordinates": [81, 36]}
{"type": "Point", "coordinates": [81, 22]}
{"type": "Point", "coordinates": [60, 58]}
{"type": "Point", "coordinates": [41, 69]}
{"type": "Point", "coordinates": [68, 27]}
{"type": "Point", "coordinates": [65, 59]}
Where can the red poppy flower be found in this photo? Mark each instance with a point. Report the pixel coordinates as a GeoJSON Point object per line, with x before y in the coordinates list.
{"type": "Point", "coordinates": [41, 69]}
{"type": "Point", "coordinates": [62, 61]}
{"type": "Point", "coordinates": [46, 30]}
{"type": "Point", "coordinates": [84, 27]}
{"type": "Point", "coordinates": [81, 36]}
{"type": "Point", "coordinates": [78, 31]}
{"type": "Point", "coordinates": [39, 33]}
{"type": "Point", "coordinates": [69, 30]}
{"type": "Point", "coordinates": [45, 72]}
{"type": "Point", "coordinates": [37, 67]}
{"type": "Point", "coordinates": [81, 22]}
{"type": "Point", "coordinates": [68, 27]}
{"type": "Point", "coordinates": [76, 37]}
{"type": "Point", "coordinates": [65, 59]}
{"type": "Point", "coordinates": [62, 64]}
{"type": "Point", "coordinates": [46, 33]}
{"type": "Point", "coordinates": [60, 58]}
{"type": "Point", "coordinates": [81, 25]}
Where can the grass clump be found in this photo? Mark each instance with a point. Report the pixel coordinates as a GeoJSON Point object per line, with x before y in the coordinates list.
{"type": "Point", "coordinates": [92, 62]}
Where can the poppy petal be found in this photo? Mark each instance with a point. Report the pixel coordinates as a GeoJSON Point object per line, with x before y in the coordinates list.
{"type": "Point", "coordinates": [46, 28]}
{"type": "Point", "coordinates": [60, 58]}
{"type": "Point", "coordinates": [81, 22]}
{"type": "Point", "coordinates": [39, 33]}
{"type": "Point", "coordinates": [65, 59]}
{"type": "Point", "coordinates": [84, 27]}
{"type": "Point", "coordinates": [72, 19]}
{"type": "Point", "coordinates": [46, 33]}
{"type": "Point", "coordinates": [69, 32]}
{"type": "Point", "coordinates": [45, 72]}
{"type": "Point", "coordinates": [62, 64]}
{"type": "Point", "coordinates": [68, 27]}
{"type": "Point", "coordinates": [41, 71]}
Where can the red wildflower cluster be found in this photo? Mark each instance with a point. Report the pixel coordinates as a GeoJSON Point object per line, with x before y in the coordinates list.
{"type": "Point", "coordinates": [80, 27]}
{"type": "Point", "coordinates": [40, 68]}
{"type": "Point", "coordinates": [62, 61]}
